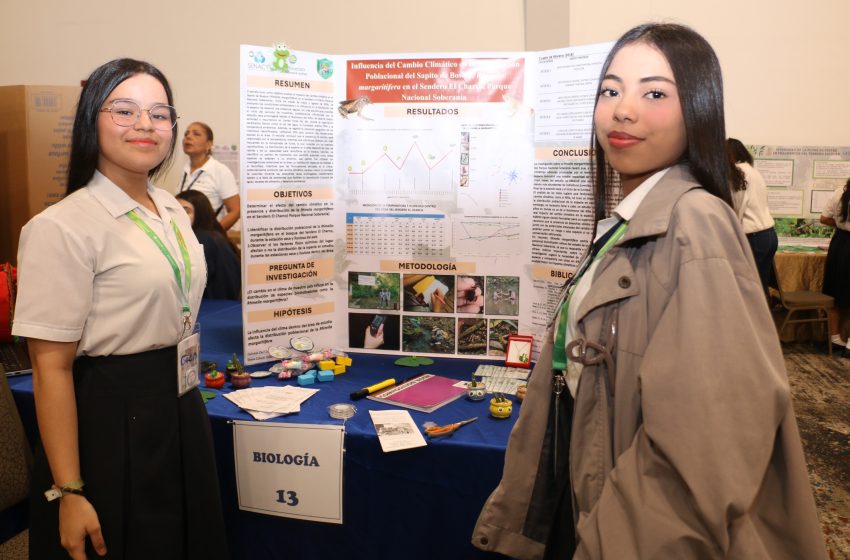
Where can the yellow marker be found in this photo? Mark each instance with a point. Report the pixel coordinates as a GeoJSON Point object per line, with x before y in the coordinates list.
{"type": "Point", "coordinates": [372, 389]}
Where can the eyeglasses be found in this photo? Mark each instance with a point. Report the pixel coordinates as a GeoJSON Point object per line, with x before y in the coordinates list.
{"type": "Point", "coordinates": [127, 113]}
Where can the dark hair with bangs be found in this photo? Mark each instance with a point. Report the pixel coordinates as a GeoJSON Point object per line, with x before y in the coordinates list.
{"type": "Point", "coordinates": [85, 147]}
{"type": "Point", "coordinates": [700, 85]}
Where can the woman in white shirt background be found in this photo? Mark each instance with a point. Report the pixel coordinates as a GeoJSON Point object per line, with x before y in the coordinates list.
{"type": "Point", "coordinates": [205, 174]}
{"type": "Point", "coordinates": [749, 194]}
{"type": "Point", "coordinates": [836, 277]}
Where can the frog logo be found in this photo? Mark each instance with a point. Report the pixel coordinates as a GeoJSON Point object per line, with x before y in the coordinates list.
{"type": "Point", "coordinates": [281, 57]}
{"type": "Point", "coordinates": [325, 68]}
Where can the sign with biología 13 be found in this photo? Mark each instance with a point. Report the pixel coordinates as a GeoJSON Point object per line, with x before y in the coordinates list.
{"type": "Point", "coordinates": [289, 470]}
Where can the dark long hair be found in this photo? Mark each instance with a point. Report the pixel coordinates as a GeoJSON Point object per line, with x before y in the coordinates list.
{"type": "Point", "coordinates": [205, 219]}
{"type": "Point", "coordinates": [844, 210]}
{"type": "Point", "coordinates": [700, 85]}
{"type": "Point", "coordinates": [85, 147]}
{"type": "Point", "coordinates": [737, 153]}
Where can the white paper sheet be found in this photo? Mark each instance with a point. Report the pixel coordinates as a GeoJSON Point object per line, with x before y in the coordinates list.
{"type": "Point", "coordinates": [396, 430]}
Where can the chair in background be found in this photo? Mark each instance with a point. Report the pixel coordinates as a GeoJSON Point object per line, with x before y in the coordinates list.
{"type": "Point", "coordinates": [805, 300]}
{"type": "Point", "coordinates": [15, 465]}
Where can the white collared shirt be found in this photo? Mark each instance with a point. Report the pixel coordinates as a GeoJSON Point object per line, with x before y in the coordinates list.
{"type": "Point", "coordinates": [87, 273]}
{"type": "Point", "coordinates": [214, 179]}
{"type": "Point", "coordinates": [755, 215]}
{"type": "Point", "coordinates": [624, 210]}
{"type": "Point", "coordinates": [832, 209]}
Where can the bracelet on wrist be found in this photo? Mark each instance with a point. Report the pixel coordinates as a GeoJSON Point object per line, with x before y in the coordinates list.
{"type": "Point", "coordinates": [75, 487]}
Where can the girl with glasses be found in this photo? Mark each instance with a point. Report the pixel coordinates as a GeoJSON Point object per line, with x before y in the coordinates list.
{"type": "Point", "coordinates": [110, 280]}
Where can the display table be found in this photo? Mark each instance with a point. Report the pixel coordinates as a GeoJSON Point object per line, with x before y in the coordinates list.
{"type": "Point", "coordinates": [418, 503]}
{"type": "Point", "coordinates": [800, 270]}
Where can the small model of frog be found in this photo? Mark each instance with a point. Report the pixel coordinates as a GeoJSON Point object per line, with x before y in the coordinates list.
{"type": "Point", "coordinates": [354, 106]}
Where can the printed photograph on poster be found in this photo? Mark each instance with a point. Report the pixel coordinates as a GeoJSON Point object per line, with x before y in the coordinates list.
{"type": "Point", "coordinates": [502, 295]}
{"type": "Point", "coordinates": [500, 330]}
{"type": "Point", "coordinates": [472, 336]}
{"type": "Point", "coordinates": [373, 290]}
{"type": "Point", "coordinates": [373, 331]}
{"type": "Point", "coordinates": [470, 294]}
{"type": "Point", "coordinates": [428, 333]}
{"type": "Point", "coordinates": [429, 293]}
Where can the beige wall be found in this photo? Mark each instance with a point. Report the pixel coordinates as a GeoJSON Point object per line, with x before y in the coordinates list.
{"type": "Point", "coordinates": [196, 43]}
{"type": "Point", "coordinates": [785, 62]}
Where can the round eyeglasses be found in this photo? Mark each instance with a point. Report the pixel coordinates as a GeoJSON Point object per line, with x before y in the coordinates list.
{"type": "Point", "coordinates": [127, 113]}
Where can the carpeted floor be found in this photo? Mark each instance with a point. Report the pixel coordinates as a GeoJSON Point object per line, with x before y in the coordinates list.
{"type": "Point", "coordinates": [821, 389]}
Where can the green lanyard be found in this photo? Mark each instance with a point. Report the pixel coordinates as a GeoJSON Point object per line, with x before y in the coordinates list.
{"type": "Point", "coordinates": [187, 263]}
{"type": "Point", "coordinates": [559, 352]}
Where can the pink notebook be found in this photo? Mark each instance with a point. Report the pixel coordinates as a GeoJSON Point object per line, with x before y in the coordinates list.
{"type": "Point", "coordinates": [425, 393]}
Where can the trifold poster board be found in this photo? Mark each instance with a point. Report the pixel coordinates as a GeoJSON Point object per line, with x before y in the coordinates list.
{"type": "Point", "coordinates": [35, 140]}
{"type": "Point", "coordinates": [428, 204]}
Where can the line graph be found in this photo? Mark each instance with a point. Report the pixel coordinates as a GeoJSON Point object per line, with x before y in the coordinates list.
{"type": "Point", "coordinates": [416, 171]}
{"type": "Point", "coordinates": [474, 238]}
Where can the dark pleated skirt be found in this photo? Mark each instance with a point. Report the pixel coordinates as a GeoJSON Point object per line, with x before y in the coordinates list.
{"type": "Point", "coordinates": [147, 460]}
{"type": "Point", "coordinates": [764, 244]}
{"type": "Point", "coordinates": [836, 276]}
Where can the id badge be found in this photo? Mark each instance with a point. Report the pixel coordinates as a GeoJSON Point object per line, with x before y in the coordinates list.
{"type": "Point", "coordinates": [189, 362]}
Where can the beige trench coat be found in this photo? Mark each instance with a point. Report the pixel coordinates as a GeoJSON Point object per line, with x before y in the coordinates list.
{"type": "Point", "coordinates": [697, 454]}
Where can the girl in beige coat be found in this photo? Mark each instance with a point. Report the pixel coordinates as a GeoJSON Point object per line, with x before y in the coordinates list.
{"type": "Point", "coordinates": [683, 439]}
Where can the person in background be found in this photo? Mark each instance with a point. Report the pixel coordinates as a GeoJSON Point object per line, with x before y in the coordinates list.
{"type": "Point", "coordinates": [206, 174]}
{"type": "Point", "coordinates": [222, 256]}
{"type": "Point", "coordinates": [749, 194]}
{"type": "Point", "coordinates": [663, 363]}
{"type": "Point", "coordinates": [110, 280]}
{"type": "Point", "coordinates": [836, 277]}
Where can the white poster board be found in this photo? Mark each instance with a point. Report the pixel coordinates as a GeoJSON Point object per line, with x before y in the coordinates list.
{"type": "Point", "coordinates": [367, 176]}
{"type": "Point", "coordinates": [800, 178]}
{"type": "Point", "coordinates": [289, 470]}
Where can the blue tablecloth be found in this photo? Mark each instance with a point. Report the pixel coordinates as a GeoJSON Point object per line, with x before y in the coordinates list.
{"type": "Point", "coordinates": [418, 503]}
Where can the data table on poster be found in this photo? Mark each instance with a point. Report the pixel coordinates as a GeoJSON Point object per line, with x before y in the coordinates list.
{"type": "Point", "coordinates": [412, 235]}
